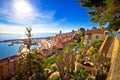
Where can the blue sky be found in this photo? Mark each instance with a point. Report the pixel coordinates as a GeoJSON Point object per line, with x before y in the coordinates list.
{"type": "Point", "coordinates": [45, 16]}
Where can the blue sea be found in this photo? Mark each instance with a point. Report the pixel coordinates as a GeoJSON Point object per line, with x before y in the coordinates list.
{"type": "Point", "coordinates": [6, 51]}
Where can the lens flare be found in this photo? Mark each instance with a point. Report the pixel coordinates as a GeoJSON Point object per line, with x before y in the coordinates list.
{"type": "Point", "coordinates": [22, 8]}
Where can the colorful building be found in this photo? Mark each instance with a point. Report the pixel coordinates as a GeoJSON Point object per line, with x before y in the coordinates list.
{"type": "Point", "coordinates": [63, 38]}
{"type": "Point", "coordinates": [92, 35]}
{"type": "Point", "coordinates": [8, 67]}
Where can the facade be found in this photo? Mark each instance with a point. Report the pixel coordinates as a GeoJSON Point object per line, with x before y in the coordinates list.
{"type": "Point", "coordinates": [60, 40]}
{"type": "Point", "coordinates": [92, 35]}
{"type": "Point", "coordinates": [63, 38]}
{"type": "Point", "coordinates": [8, 67]}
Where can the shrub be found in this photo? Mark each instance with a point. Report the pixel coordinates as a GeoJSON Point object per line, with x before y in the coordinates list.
{"type": "Point", "coordinates": [97, 43]}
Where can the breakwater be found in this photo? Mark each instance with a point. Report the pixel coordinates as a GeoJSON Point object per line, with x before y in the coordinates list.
{"type": "Point", "coordinates": [16, 40]}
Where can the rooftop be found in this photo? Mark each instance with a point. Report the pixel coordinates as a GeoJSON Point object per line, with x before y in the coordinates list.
{"type": "Point", "coordinates": [8, 58]}
{"type": "Point", "coordinates": [95, 31]}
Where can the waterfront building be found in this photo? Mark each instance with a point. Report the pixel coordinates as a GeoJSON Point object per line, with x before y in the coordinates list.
{"type": "Point", "coordinates": [8, 66]}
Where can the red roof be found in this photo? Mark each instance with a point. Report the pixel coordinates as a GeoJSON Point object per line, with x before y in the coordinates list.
{"type": "Point", "coordinates": [8, 58]}
{"type": "Point", "coordinates": [94, 32]}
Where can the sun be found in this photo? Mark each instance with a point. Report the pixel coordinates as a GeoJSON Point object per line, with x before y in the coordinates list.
{"type": "Point", "coordinates": [22, 8]}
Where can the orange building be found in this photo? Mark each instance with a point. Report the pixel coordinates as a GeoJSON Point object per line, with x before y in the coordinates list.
{"type": "Point", "coordinates": [60, 40]}
{"type": "Point", "coordinates": [63, 38]}
{"type": "Point", "coordinates": [8, 67]}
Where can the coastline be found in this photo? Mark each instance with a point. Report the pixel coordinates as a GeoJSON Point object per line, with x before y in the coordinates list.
{"type": "Point", "coordinates": [7, 51]}
{"type": "Point", "coordinates": [59, 41]}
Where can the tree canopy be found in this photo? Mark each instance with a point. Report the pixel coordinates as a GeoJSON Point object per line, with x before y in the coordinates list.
{"type": "Point", "coordinates": [30, 63]}
{"type": "Point", "coordinates": [104, 11]}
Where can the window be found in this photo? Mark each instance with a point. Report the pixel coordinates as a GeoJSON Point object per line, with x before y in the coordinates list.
{"type": "Point", "coordinates": [97, 36]}
{"type": "Point", "coordinates": [89, 36]}
{"type": "Point", "coordinates": [12, 66]}
{"type": "Point", "coordinates": [1, 70]}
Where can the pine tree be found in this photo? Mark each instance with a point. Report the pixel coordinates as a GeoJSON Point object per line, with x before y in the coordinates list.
{"type": "Point", "coordinates": [104, 11]}
{"type": "Point", "coordinates": [30, 65]}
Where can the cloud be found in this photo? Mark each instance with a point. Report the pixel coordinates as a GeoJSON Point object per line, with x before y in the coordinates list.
{"type": "Point", "coordinates": [36, 28]}
{"type": "Point", "coordinates": [42, 21]}
{"type": "Point", "coordinates": [22, 12]}
{"type": "Point", "coordinates": [5, 28]}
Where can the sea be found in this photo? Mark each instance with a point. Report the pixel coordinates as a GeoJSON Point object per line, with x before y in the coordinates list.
{"type": "Point", "coordinates": [7, 51]}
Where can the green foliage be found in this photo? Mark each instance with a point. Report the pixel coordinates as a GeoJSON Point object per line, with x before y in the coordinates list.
{"type": "Point", "coordinates": [70, 45]}
{"type": "Point", "coordinates": [54, 68]}
{"type": "Point", "coordinates": [30, 65]}
{"type": "Point", "coordinates": [91, 79]}
{"type": "Point", "coordinates": [94, 51]}
{"type": "Point", "coordinates": [82, 31]}
{"type": "Point", "coordinates": [114, 24]}
{"type": "Point", "coordinates": [98, 58]}
{"type": "Point", "coordinates": [80, 74]}
{"type": "Point", "coordinates": [77, 37]}
{"type": "Point", "coordinates": [50, 60]}
{"type": "Point", "coordinates": [103, 70]}
{"type": "Point", "coordinates": [65, 63]}
{"type": "Point", "coordinates": [106, 66]}
{"type": "Point", "coordinates": [55, 78]}
{"type": "Point", "coordinates": [104, 11]}
{"type": "Point", "coordinates": [97, 43]}
{"type": "Point", "coordinates": [82, 41]}
{"type": "Point", "coordinates": [82, 50]}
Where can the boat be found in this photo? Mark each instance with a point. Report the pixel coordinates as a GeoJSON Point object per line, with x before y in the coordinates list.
{"type": "Point", "coordinates": [11, 44]}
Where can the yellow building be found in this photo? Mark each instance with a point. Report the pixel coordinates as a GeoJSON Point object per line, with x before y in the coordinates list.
{"type": "Point", "coordinates": [92, 35]}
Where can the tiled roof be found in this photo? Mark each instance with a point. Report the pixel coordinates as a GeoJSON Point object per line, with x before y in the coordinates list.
{"type": "Point", "coordinates": [8, 58]}
{"type": "Point", "coordinates": [67, 41]}
{"type": "Point", "coordinates": [94, 32]}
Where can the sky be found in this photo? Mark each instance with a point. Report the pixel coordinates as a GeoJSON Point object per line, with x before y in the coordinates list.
{"type": "Point", "coordinates": [44, 16]}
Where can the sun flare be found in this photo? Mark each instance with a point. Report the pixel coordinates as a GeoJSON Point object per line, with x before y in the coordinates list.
{"type": "Point", "coordinates": [22, 8]}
